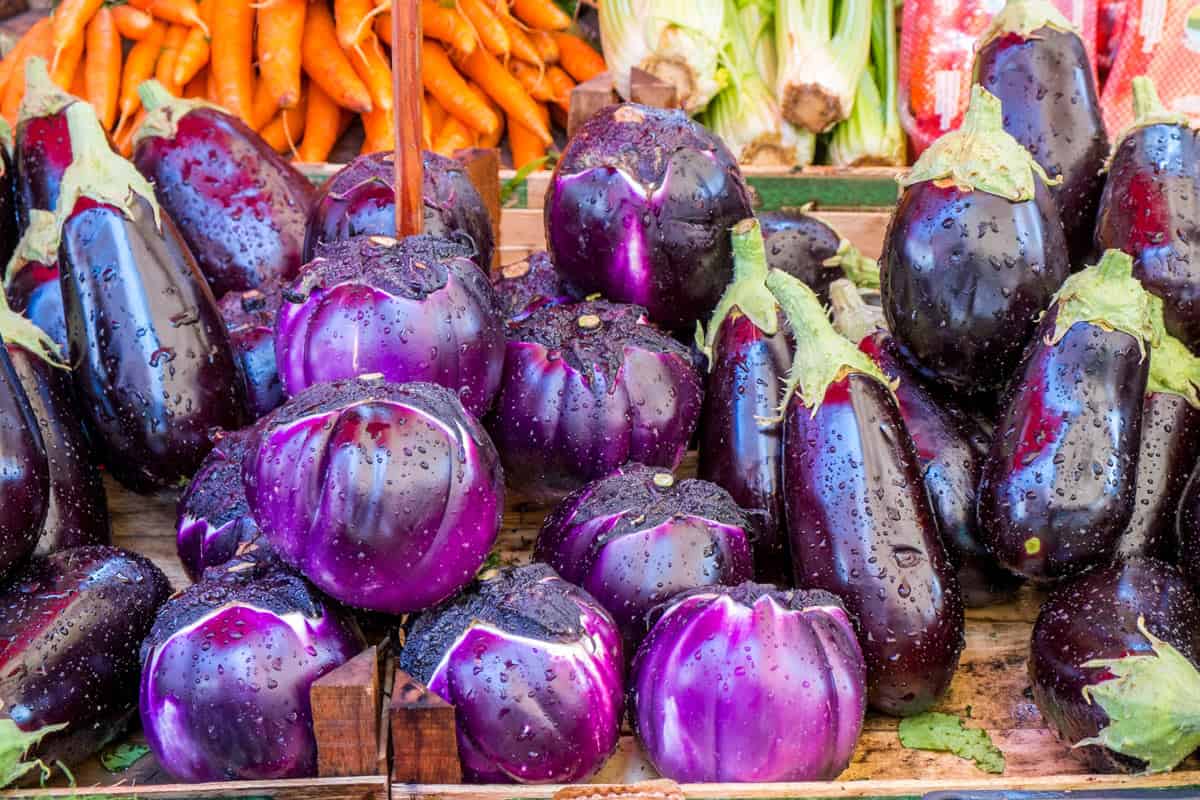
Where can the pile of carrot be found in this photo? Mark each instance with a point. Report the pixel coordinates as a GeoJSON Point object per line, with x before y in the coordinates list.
{"type": "Point", "coordinates": [299, 71]}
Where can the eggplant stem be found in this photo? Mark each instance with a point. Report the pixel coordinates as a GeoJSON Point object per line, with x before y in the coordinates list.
{"type": "Point", "coordinates": [747, 292]}
{"type": "Point", "coordinates": [43, 97]}
{"type": "Point", "coordinates": [1107, 295]}
{"type": "Point", "coordinates": [852, 317]}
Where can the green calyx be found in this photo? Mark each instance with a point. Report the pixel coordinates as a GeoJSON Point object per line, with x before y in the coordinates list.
{"type": "Point", "coordinates": [980, 156]}
{"type": "Point", "coordinates": [747, 292]}
{"type": "Point", "coordinates": [825, 356]}
{"type": "Point", "coordinates": [1107, 295]}
{"type": "Point", "coordinates": [99, 173]}
{"type": "Point", "coordinates": [1173, 368]}
{"type": "Point", "coordinates": [1153, 705]}
{"type": "Point", "coordinates": [852, 317]}
{"type": "Point", "coordinates": [38, 245]}
{"type": "Point", "coordinates": [862, 271]}
{"type": "Point", "coordinates": [14, 744]}
{"type": "Point", "coordinates": [1147, 110]}
{"type": "Point", "coordinates": [1024, 17]}
{"type": "Point", "coordinates": [42, 96]}
{"type": "Point", "coordinates": [19, 330]}
{"type": "Point", "coordinates": [163, 111]}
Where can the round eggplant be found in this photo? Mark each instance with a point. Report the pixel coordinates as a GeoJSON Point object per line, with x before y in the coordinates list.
{"type": "Point", "coordinates": [972, 255]}
{"type": "Point", "coordinates": [31, 281]}
{"type": "Point", "coordinates": [1059, 481]}
{"type": "Point", "coordinates": [250, 318]}
{"type": "Point", "coordinates": [524, 286]}
{"type": "Point", "coordinates": [43, 148]}
{"type": "Point", "coordinates": [859, 520]}
{"type": "Point", "coordinates": [213, 520]}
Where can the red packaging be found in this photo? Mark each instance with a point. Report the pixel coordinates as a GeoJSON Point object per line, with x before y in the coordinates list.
{"type": "Point", "coordinates": [937, 54]}
{"type": "Point", "coordinates": [1156, 42]}
{"type": "Point", "coordinates": [1110, 23]}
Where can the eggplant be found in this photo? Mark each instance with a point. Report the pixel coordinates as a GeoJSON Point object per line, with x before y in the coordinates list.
{"type": "Point", "coordinates": [859, 522]}
{"type": "Point", "coordinates": [1107, 614]}
{"type": "Point", "coordinates": [1035, 62]}
{"type": "Point", "coordinates": [250, 318]}
{"type": "Point", "coordinates": [949, 445]}
{"type": "Point", "coordinates": [524, 286]}
{"type": "Point", "coordinates": [25, 477]}
{"type": "Point", "coordinates": [748, 353]}
{"type": "Point", "coordinates": [1059, 481]}
{"type": "Point", "coordinates": [70, 629]}
{"type": "Point", "coordinates": [1187, 528]}
{"type": "Point", "coordinates": [806, 248]}
{"type": "Point", "coordinates": [152, 360]}
{"type": "Point", "coordinates": [213, 523]}
{"type": "Point", "coordinates": [1150, 208]}
{"type": "Point", "coordinates": [973, 253]}
{"type": "Point", "coordinates": [31, 281]}
{"type": "Point", "coordinates": [241, 207]}
{"type": "Point", "coordinates": [43, 148]}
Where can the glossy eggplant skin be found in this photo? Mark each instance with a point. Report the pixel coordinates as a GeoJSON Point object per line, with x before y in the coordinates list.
{"type": "Point", "coordinates": [737, 451]}
{"type": "Point", "coordinates": [798, 244]}
{"type": "Point", "coordinates": [1187, 528]}
{"type": "Point", "coordinates": [1095, 616]}
{"type": "Point", "coordinates": [860, 526]}
{"type": "Point", "coordinates": [241, 207]}
{"type": "Point", "coordinates": [70, 629]}
{"type": "Point", "coordinates": [1170, 444]}
{"type": "Point", "coordinates": [77, 507]}
{"type": "Point", "coordinates": [9, 228]}
{"type": "Point", "coordinates": [24, 472]}
{"type": "Point", "coordinates": [950, 447]}
{"type": "Point", "coordinates": [1045, 84]}
{"type": "Point", "coordinates": [1059, 481]}
{"type": "Point", "coordinates": [250, 318]}
{"type": "Point", "coordinates": [153, 364]}
{"type": "Point", "coordinates": [42, 150]}
{"type": "Point", "coordinates": [964, 277]}
{"type": "Point", "coordinates": [34, 292]}
{"type": "Point", "coordinates": [1150, 209]}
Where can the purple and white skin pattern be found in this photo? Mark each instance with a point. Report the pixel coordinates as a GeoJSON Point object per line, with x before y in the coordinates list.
{"type": "Point", "coordinates": [226, 672]}
{"type": "Point", "coordinates": [213, 519]}
{"type": "Point", "coordinates": [416, 309]}
{"type": "Point", "coordinates": [524, 286]}
{"type": "Point", "coordinates": [639, 209]}
{"type": "Point", "coordinates": [388, 497]}
{"type": "Point", "coordinates": [533, 667]}
{"type": "Point", "coordinates": [587, 388]}
{"type": "Point", "coordinates": [749, 683]}
{"type": "Point", "coordinates": [638, 537]}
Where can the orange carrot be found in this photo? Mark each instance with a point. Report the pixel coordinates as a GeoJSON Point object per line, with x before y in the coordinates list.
{"type": "Point", "coordinates": [8, 63]}
{"type": "Point", "coordinates": [285, 130]}
{"type": "Point", "coordinates": [133, 23]}
{"type": "Point", "coordinates": [426, 124]}
{"type": "Point", "coordinates": [437, 112]}
{"type": "Point", "coordinates": [578, 57]}
{"type": "Point", "coordinates": [70, 19]}
{"type": "Point", "coordinates": [195, 50]}
{"type": "Point", "coordinates": [321, 125]}
{"type": "Point", "coordinates": [210, 87]}
{"type": "Point", "coordinates": [38, 42]}
{"type": "Point", "coordinates": [532, 79]}
{"type": "Point", "coordinates": [526, 146]}
{"type": "Point", "coordinates": [324, 61]}
{"type": "Point", "coordinates": [280, 33]}
{"type": "Point", "coordinates": [263, 108]}
{"type": "Point", "coordinates": [79, 82]}
{"type": "Point", "coordinates": [374, 69]}
{"type": "Point", "coordinates": [124, 139]}
{"type": "Point", "coordinates": [197, 87]}
{"type": "Point", "coordinates": [543, 41]}
{"type": "Point", "coordinates": [442, 80]}
{"type": "Point", "coordinates": [488, 29]}
{"type": "Point", "coordinates": [522, 45]}
{"type": "Point", "coordinates": [379, 130]}
{"type": "Point", "coordinates": [505, 90]}
{"type": "Point", "coordinates": [233, 54]}
{"type": "Point", "coordinates": [541, 14]}
{"type": "Point", "coordinates": [102, 67]}
{"type": "Point", "coordinates": [444, 24]}
{"type": "Point", "coordinates": [561, 85]}
{"type": "Point", "coordinates": [352, 20]}
{"type": "Point", "coordinates": [67, 61]}
{"type": "Point", "coordinates": [485, 139]}
{"type": "Point", "coordinates": [164, 70]}
{"type": "Point", "coordinates": [453, 136]}
{"type": "Point", "coordinates": [139, 66]}
{"type": "Point", "coordinates": [180, 12]}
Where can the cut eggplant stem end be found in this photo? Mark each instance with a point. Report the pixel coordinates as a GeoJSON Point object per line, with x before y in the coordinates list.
{"type": "Point", "coordinates": [1033, 546]}
{"type": "Point", "coordinates": [852, 317]}
{"type": "Point", "coordinates": [42, 97]}
{"type": "Point", "coordinates": [664, 480]}
{"type": "Point", "coordinates": [588, 322]}
{"type": "Point", "coordinates": [747, 292]}
{"type": "Point", "coordinates": [1108, 295]}
{"type": "Point", "coordinates": [517, 270]}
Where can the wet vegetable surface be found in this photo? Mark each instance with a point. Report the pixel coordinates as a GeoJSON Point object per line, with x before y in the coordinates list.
{"type": "Point", "coordinates": [213, 517]}
{"type": "Point", "coordinates": [250, 318]}
{"type": "Point", "coordinates": [24, 472]}
{"type": "Point", "coordinates": [42, 148]}
{"type": "Point", "coordinates": [529, 284]}
{"type": "Point", "coordinates": [799, 245]}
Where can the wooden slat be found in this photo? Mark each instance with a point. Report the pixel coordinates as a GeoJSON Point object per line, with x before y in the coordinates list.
{"type": "Point", "coordinates": [373, 788]}
{"type": "Point", "coordinates": [345, 709]}
{"type": "Point", "coordinates": [424, 744]}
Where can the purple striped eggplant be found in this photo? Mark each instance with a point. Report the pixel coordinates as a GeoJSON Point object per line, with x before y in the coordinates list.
{"type": "Point", "coordinates": [31, 281]}
{"type": "Point", "coordinates": [587, 388]}
{"type": "Point", "coordinates": [360, 200]}
{"type": "Point", "coordinates": [637, 537]}
{"type": "Point", "coordinates": [25, 477]}
{"type": "Point", "coordinates": [1034, 61]}
{"type": "Point", "coordinates": [973, 253]}
{"type": "Point", "coordinates": [70, 628]}
{"type": "Point", "coordinates": [529, 284]}
{"type": "Point", "coordinates": [250, 318]}
{"type": "Point", "coordinates": [151, 357]}
{"type": "Point", "coordinates": [213, 520]}
{"type": "Point", "coordinates": [43, 148]}
{"type": "Point", "coordinates": [949, 445]}
{"type": "Point", "coordinates": [859, 520]}
{"type": "Point", "coordinates": [748, 354]}
{"type": "Point", "coordinates": [1059, 482]}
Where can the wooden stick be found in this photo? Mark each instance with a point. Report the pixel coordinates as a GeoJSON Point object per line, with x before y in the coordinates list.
{"type": "Point", "coordinates": [406, 89]}
{"type": "Point", "coordinates": [424, 741]}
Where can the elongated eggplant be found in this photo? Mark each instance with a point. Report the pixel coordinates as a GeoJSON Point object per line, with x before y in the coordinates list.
{"type": "Point", "coordinates": [973, 254]}
{"type": "Point", "coordinates": [152, 360]}
{"type": "Point", "coordinates": [859, 522]}
{"type": "Point", "coordinates": [250, 317]}
{"type": "Point", "coordinates": [806, 248]}
{"type": "Point", "coordinates": [949, 445]}
{"type": "Point", "coordinates": [43, 148]}
{"type": "Point", "coordinates": [1187, 528]}
{"type": "Point", "coordinates": [31, 281]}
{"type": "Point", "coordinates": [25, 477]}
{"type": "Point", "coordinates": [241, 207]}
{"type": "Point", "coordinates": [748, 355]}
{"type": "Point", "coordinates": [1150, 208]}
{"type": "Point", "coordinates": [1035, 62]}
{"type": "Point", "coordinates": [1059, 481]}
{"type": "Point", "coordinates": [70, 628]}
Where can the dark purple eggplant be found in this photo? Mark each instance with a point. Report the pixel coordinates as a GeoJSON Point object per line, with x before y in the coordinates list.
{"type": "Point", "coordinates": [1105, 615]}
{"type": "Point", "coordinates": [1059, 481]}
{"type": "Point", "coordinates": [70, 629]}
{"type": "Point", "coordinates": [43, 149]}
{"type": "Point", "coordinates": [213, 520]}
{"type": "Point", "coordinates": [1150, 208]}
{"type": "Point", "coordinates": [241, 207]}
{"type": "Point", "coordinates": [250, 318]}
{"type": "Point", "coordinates": [748, 354]}
{"type": "Point", "coordinates": [31, 281]}
{"type": "Point", "coordinates": [152, 360]}
{"type": "Point", "coordinates": [1187, 528]}
{"type": "Point", "coordinates": [859, 521]}
{"type": "Point", "coordinates": [25, 472]}
{"type": "Point", "coordinates": [808, 249]}
{"type": "Point", "coordinates": [973, 254]}
{"type": "Point", "coordinates": [1035, 62]}
{"type": "Point", "coordinates": [360, 200]}
{"type": "Point", "coordinates": [529, 284]}
{"type": "Point", "coordinates": [949, 445]}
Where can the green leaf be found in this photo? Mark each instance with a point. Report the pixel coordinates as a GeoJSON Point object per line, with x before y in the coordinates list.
{"type": "Point", "coordinates": [14, 743]}
{"type": "Point", "coordinates": [946, 733]}
{"type": "Point", "coordinates": [123, 756]}
{"type": "Point", "coordinates": [1153, 705]}
{"type": "Point", "coordinates": [512, 184]}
